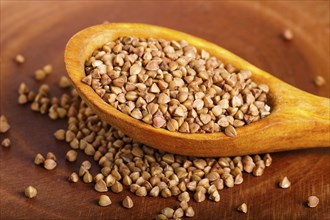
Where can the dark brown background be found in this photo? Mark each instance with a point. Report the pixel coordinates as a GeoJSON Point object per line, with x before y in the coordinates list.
{"type": "Point", "coordinates": [39, 30]}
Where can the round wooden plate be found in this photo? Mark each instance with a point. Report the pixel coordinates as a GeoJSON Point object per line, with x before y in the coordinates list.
{"type": "Point", "coordinates": [39, 30]}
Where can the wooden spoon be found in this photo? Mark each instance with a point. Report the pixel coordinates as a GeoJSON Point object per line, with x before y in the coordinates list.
{"type": "Point", "coordinates": [297, 120]}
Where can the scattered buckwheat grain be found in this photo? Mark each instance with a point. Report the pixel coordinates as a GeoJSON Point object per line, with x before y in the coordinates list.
{"type": "Point", "coordinates": [168, 212]}
{"type": "Point", "coordinates": [178, 213]}
{"type": "Point", "coordinates": [284, 183]}
{"type": "Point", "coordinates": [101, 186]}
{"type": "Point", "coordinates": [64, 82]}
{"type": "Point", "coordinates": [86, 164]}
{"type": "Point", "coordinates": [242, 208]}
{"type": "Point", "coordinates": [87, 178]}
{"type": "Point", "coordinates": [48, 69]}
{"type": "Point", "coordinates": [30, 192]}
{"type": "Point", "coordinates": [4, 124]}
{"type": "Point", "coordinates": [6, 142]}
{"type": "Point", "coordinates": [19, 59]}
{"type": "Point", "coordinates": [51, 155]}
{"type": "Point", "coordinates": [73, 178]}
{"type": "Point", "coordinates": [190, 212]}
{"type": "Point", "coordinates": [287, 34]}
{"type": "Point", "coordinates": [161, 217]}
{"type": "Point", "coordinates": [39, 159]}
{"type": "Point", "coordinates": [40, 74]}
{"type": "Point", "coordinates": [22, 99]}
{"type": "Point", "coordinates": [71, 155]}
{"type": "Point", "coordinates": [127, 202]}
{"type": "Point", "coordinates": [319, 81]}
{"type": "Point", "coordinates": [50, 164]}
{"type": "Point", "coordinates": [184, 197]}
{"type": "Point", "coordinates": [104, 200]}
{"type": "Point", "coordinates": [312, 201]}
{"type": "Point", "coordinates": [60, 134]}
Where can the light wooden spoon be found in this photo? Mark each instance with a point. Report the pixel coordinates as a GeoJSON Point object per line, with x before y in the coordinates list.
{"type": "Point", "coordinates": [297, 120]}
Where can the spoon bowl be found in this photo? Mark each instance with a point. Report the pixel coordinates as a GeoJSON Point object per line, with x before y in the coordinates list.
{"type": "Point", "coordinates": [297, 120]}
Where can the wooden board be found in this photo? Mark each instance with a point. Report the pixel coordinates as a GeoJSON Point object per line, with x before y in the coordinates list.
{"type": "Point", "coordinates": [39, 30]}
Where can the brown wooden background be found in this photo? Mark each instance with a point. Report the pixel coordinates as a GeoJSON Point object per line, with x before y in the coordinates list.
{"type": "Point", "coordinates": [40, 29]}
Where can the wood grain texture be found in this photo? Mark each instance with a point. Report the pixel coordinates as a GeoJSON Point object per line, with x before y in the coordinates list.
{"type": "Point", "coordinates": [39, 30]}
{"type": "Point", "coordinates": [294, 113]}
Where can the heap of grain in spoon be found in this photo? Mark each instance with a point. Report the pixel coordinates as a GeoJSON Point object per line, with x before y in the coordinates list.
{"type": "Point", "coordinates": [172, 85]}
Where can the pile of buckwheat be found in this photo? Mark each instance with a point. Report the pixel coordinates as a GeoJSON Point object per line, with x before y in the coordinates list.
{"type": "Point", "coordinates": [172, 85]}
{"type": "Point", "coordinates": [127, 164]}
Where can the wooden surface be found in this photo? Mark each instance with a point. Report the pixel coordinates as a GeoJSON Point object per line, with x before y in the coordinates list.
{"type": "Point", "coordinates": [40, 30]}
{"type": "Point", "coordinates": [294, 113]}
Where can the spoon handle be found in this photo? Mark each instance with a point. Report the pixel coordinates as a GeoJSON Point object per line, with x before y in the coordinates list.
{"type": "Point", "coordinates": [304, 118]}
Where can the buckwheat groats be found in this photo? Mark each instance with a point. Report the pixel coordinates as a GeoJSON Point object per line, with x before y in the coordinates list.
{"type": "Point", "coordinates": [172, 85]}
{"type": "Point", "coordinates": [127, 164]}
